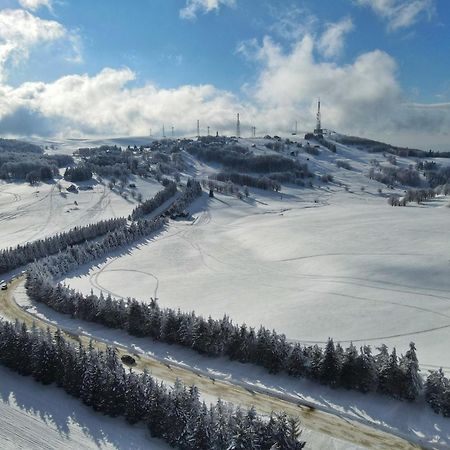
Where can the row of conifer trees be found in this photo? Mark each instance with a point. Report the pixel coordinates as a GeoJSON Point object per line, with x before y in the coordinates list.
{"type": "Point", "coordinates": [174, 414]}
{"type": "Point", "coordinates": [350, 367]}
{"type": "Point", "coordinates": [12, 258]}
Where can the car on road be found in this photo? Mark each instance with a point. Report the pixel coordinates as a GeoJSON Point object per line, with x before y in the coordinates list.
{"type": "Point", "coordinates": [4, 286]}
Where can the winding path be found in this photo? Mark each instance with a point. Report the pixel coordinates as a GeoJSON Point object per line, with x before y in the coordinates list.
{"type": "Point", "coordinates": [312, 417]}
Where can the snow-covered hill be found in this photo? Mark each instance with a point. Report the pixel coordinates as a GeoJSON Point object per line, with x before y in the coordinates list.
{"type": "Point", "coordinates": [331, 259]}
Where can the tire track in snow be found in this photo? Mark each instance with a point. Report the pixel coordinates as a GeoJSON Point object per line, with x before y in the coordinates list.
{"type": "Point", "coordinates": [94, 281]}
{"type": "Point", "coordinates": [47, 219]}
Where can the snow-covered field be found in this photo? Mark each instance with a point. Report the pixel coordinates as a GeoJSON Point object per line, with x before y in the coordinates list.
{"type": "Point", "coordinates": [332, 261]}
{"type": "Point", "coordinates": [29, 212]}
{"type": "Point", "coordinates": [37, 417]}
{"type": "Point", "coordinates": [350, 267]}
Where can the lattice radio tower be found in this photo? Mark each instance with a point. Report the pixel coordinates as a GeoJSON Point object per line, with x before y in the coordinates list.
{"type": "Point", "coordinates": [238, 127]}
{"type": "Point", "coordinates": [318, 129]}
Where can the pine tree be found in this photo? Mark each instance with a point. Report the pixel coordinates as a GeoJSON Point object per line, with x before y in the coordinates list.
{"type": "Point", "coordinates": [412, 382]}
{"type": "Point", "coordinates": [200, 433]}
{"type": "Point", "coordinates": [330, 367]}
{"type": "Point", "coordinates": [349, 373]}
{"type": "Point", "coordinates": [435, 387]}
{"type": "Point", "coordinates": [366, 370]}
{"type": "Point", "coordinates": [315, 365]}
{"type": "Point", "coordinates": [296, 362]}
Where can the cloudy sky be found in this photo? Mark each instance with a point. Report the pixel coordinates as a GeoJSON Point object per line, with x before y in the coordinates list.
{"type": "Point", "coordinates": [72, 68]}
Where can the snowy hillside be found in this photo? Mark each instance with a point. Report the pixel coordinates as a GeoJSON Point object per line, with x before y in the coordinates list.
{"type": "Point", "coordinates": [314, 251]}
{"type": "Point", "coordinates": [332, 261]}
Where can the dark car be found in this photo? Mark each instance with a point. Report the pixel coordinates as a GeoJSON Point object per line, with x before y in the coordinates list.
{"type": "Point", "coordinates": [128, 360]}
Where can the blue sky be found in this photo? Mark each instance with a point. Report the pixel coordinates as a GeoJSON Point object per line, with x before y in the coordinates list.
{"type": "Point", "coordinates": [380, 66]}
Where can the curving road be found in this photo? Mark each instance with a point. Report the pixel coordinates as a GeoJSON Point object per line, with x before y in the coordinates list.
{"type": "Point", "coordinates": [313, 418]}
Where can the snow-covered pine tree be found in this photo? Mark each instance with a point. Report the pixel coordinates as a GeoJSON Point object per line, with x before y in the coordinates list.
{"type": "Point", "coordinates": [435, 386]}
{"type": "Point", "coordinates": [411, 380]}
{"type": "Point", "coordinates": [330, 367]}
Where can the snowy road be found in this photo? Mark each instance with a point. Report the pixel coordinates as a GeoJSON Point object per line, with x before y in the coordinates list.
{"type": "Point", "coordinates": [346, 433]}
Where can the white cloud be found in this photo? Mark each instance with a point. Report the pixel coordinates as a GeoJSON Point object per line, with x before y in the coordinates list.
{"type": "Point", "coordinates": [33, 5]}
{"type": "Point", "coordinates": [361, 97]}
{"type": "Point", "coordinates": [194, 7]}
{"type": "Point", "coordinates": [291, 21]}
{"type": "Point", "coordinates": [400, 13]}
{"type": "Point", "coordinates": [21, 31]}
{"type": "Point", "coordinates": [354, 94]}
{"type": "Point", "coordinates": [104, 105]}
{"type": "Point", "coordinates": [331, 43]}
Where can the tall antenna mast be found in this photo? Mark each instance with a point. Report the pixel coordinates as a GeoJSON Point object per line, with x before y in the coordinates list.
{"type": "Point", "coordinates": [198, 128]}
{"type": "Point", "coordinates": [253, 131]}
{"type": "Point", "coordinates": [150, 132]}
{"type": "Point", "coordinates": [208, 130]}
{"type": "Point", "coordinates": [238, 127]}
{"type": "Point", "coordinates": [318, 129]}
{"type": "Point", "coordinates": [164, 131]}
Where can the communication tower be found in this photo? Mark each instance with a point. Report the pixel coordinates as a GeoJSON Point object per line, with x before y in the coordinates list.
{"type": "Point", "coordinates": [318, 131]}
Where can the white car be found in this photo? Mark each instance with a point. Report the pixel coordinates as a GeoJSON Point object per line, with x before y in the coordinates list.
{"type": "Point", "coordinates": [4, 287]}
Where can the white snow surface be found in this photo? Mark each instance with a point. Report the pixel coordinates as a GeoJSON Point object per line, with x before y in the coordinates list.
{"type": "Point", "coordinates": [28, 212]}
{"type": "Point", "coordinates": [311, 263]}
{"type": "Point", "coordinates": [349, 267]}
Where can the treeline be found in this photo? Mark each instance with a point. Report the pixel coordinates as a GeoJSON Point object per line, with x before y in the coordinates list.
{"type": "Point", "coordinates": [240, 158]}
{"type": "Point", "coordinates": [372, 146]}
{"type": "Point", "coordinates": [27, 166]}
{"type": "Point", "coordinates": [390, 176]}
{"type": "Point", "coordinates": [192, 191]}
{"type": "Point", "coordinates": [327, 144]}
{"type": "Point", "coordinates": [152, 204]}
{"type": "Point", "coordinates": [13, 258]}
{"type": "Point", "coordinates": [335, 366]}
{"type": "Point", "coordinates": [343, 164]}
{"type": "Point", "coordinates": [413, 195]}
{"type": "Point", "coordinates": [175, 414]}
{"type": "Point", "coordinates": [437, 392]}
{"type": "Point", "coordinates": [111, 161]}
{"type": "Point", "coordinates": [247, 180]}
{"type": "Point", "coordinates": [13, 145]}
{"type": "Point", "coordinates": [295, 176]}
{"type": "Point", "coordinates": [76, 255]}
{"type": "Point", "coordinates": [438, 177]}
{"type": "Point", "coordinates": [23, 161]}
{"type": "Point", "coordinates": [78, 173]}
{"type": "Point", "coordinates": [73, 246]}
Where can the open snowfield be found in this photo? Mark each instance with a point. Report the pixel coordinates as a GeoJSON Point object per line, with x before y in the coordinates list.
{"type": "Point", "coordinates": [37, 417]}
{"type": "Point", "coordinates": [349, 266]}
{"type": "Point", "coordinates": [28, 212]}
{"type": "Point", "coordinates": [330, 261]}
